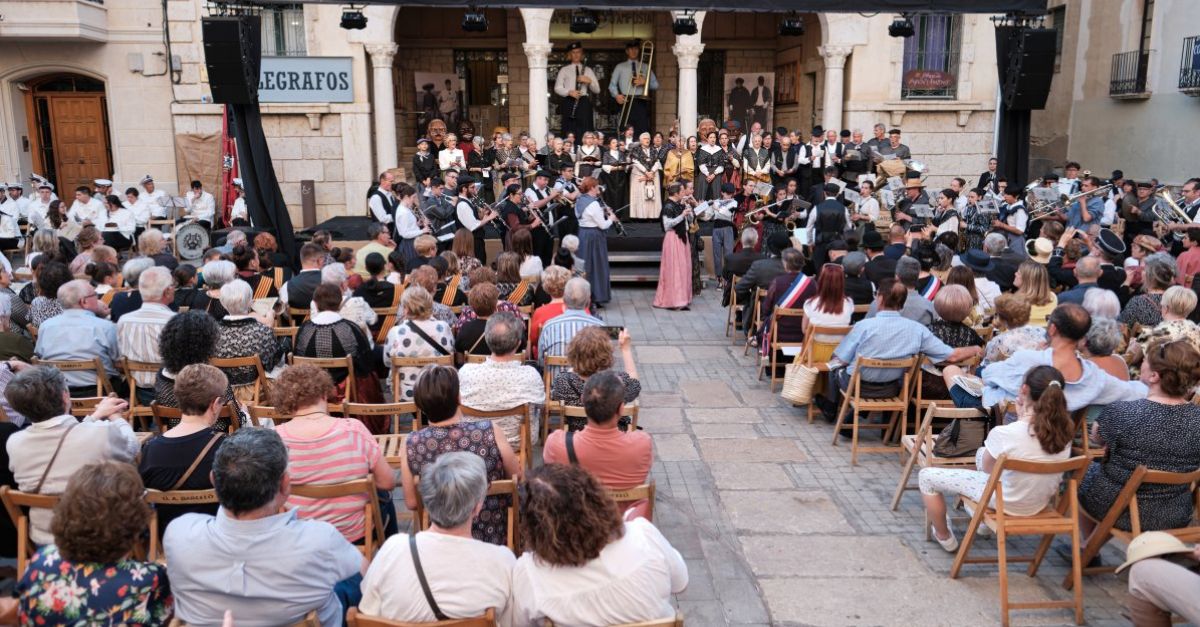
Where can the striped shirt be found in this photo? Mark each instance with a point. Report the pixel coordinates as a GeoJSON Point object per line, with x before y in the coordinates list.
{"type": "Point", "coordinates": [137, 337]}
{"type": "Point", "coordinates": [559, 330]}
{"type": "Point", "coordinates": [347, 451]}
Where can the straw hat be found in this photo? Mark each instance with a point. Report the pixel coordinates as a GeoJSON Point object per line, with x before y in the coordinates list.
{"type": "Point", "coordinates": [1040, 249]}
{"type": "Point", "coordinates": [1152, 544]}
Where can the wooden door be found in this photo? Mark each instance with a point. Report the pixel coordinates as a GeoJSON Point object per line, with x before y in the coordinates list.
{"type": "Point", "coordinates": [78, 130]}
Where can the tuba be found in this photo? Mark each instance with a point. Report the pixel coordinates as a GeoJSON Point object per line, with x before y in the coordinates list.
{"type": "Point", "coordinates": [1167, 211]}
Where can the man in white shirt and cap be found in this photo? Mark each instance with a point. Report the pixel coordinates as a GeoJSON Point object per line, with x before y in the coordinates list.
{"type": "Point", "coordinates": [156, 198]}
{"type": "Point", "coordinates": [239, 214]}
{"type": "Point", "coordinates": [201, 206]}
{"type": "Point", "coordinates": [39, 206]}
{"type": "Point", "coordinates": [103, 189]}
{"type": "Point", "coordinates": [16, 194]}
{"type": "Point", "coordinates": [86, 209]}
{"type": "Point", "coordinates": [10, 232]}
{"type": "Point", "coordinates": [576, 85]}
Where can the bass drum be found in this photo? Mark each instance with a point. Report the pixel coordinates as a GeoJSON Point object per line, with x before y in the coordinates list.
{"type": "Point", "coordinates": [191, 240]}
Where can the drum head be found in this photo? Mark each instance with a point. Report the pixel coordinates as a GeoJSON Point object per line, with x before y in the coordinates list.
{"type": "Point", "coordinates": [191, 241]}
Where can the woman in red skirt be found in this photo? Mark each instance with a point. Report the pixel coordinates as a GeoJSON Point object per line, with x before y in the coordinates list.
{"type": "Point", "coordinates": [675, 272]}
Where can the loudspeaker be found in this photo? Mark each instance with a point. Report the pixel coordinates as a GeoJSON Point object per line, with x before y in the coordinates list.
{"type": "Point", "coordinates": [1030, 69]}
{"type": "Point", "coordinates": [232, 52]}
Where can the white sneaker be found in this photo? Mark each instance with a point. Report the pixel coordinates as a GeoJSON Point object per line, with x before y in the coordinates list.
{"type": "Point", "coordinates": [949, 544]}
{"type": "Point", "coordinates": [984, 531]}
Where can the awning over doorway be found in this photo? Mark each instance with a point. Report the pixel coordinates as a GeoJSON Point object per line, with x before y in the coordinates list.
{"type": "Point", "coordinates": [782, 6]}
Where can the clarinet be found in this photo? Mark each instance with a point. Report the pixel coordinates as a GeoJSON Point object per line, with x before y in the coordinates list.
{"type": "Point", "coordinates": [575, 105]}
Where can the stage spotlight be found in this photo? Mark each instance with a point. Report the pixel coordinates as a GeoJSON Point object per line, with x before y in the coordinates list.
{"type": "Point", "coordinates": [353, 19]}
{"type": "Point", "coordinates": [791, 26]}
{"type": "Point", "coordinates": [474, 21]}
{"type": "Point", "coordinates": [583, 22]}
{"type": "Point", "coordinates": [902, 26]}
{"type": "Point", "coordinates": [684, 25]}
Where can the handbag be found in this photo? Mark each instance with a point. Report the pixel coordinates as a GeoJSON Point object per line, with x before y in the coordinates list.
{"type": "Point", "coordinates": [799, 381]}
{"type": "Point", "coordinates": [961, 439]}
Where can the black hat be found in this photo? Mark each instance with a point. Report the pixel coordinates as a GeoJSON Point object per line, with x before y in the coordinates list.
{"type": "Point", "coordinates": [818, 131]}
{"type": "Point", "coordinates": [1146, 184]}
{"type": "Point", "coordinates": [872, 240]}
{"type": "Point", "coordinates": [1050, 176]}
{"type": "Point", "coordinates": [845, 133]}
{"type": "Point", "coordinates": [508, 176]}
{"type": "Point", "coordinates": [633, 43]}
{"type": "Point", "coordinates": [541, 173]}
{"type": "Point", "coordinates": [778, 241]}
{"type": "Point", "coordinates": [566, 165]}
{"type": "Point", "coordinates": [511, 189]}
{"type": "Point", "coordinates": [466, 180]}
{"type": "Point", "coordinates": [1110, 243]}
{"type": "Point", "coordinates": [574, 45]}
{"type": "Point", "coordinates": [1117, 174]}
{"type": "Point", "coordinates": [977, 260]}
{"type": "Point", "coordinates": [427, 86]}
{"type": "Point", "coordinates": [728, 188]}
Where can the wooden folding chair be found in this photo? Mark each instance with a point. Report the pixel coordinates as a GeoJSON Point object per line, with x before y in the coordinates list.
{"type": "Point", "coordinates": [260, 380]}
{"type": "Point", "coordinates": [310, 619]}
{"type": "Point", "coordinates": [731, 316]}
{"type": "Point", "coordinates": [811, 343]}
{"type": "Point", "coordinates": [258, 412]}
{"type": "Point", "coordinates": [919, 447]}
{"type": "Point", "coordinates": [161, 414]}
{"type": "Point", "coordinates": [297, 315]}
{"type": "Point", "coordinates": [392, 410]}
{"type": "Point", "coordinates": [392, 444]}
{"type": "Point", "coordinates": [18, 504]}
{"type": "Point", "coordinates": [33, 332]}
{"type": "Point", "coordinates": [554, 364]}
{"type": "Point", "coordinates": [93, 365]}
{"type": "Point", "coordinates": [646, 492]}
{"type": "Point", "coordinates": [366, 487]}
{"type": "Point", "coordinates": [414, 362]}
{"type": "Point", "coordinates": [575, 411]}
{"type": "Point", "coordinates": [354, 619]}
{"type": "Point", "coordinates": [499, 487]}
{"type": "Point", "coordinates": [388, 316]}
{"type": "Point", "coordinates": [775, 345]}
{"type": "Point", "coordinates": [755, 321]}
{"type": "Point", "coordinates": [81, 407]}
{"type": "Point", "coordinates": [1051, 521]}
{"type": "Point", "coordinates": [331, 363]}
{"type": "Point", "coordinates": [919, 400]}
{"type": "Point", "coordinates": [171, 497]}
{"type": "Point", "coordinates": [985, 333]}
{"type": "Point", "coordinates": [1127, 500]}
{"type": "Point", "coordinates": [479, 359]}
{"type": "Point", "coordinates": [131, 368]}
{"type": "Point", "coordinates": [674, 621]}
{"type": "Point", "coordinates": [289, 332]}
{"type": "Point", "coordinates": [853, 400]}
{"type": "Point", "coordinates": [523, 412]}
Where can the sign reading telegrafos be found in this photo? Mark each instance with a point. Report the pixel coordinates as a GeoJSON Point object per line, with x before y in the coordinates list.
{"type": "Point", "coordinates": [306, 79]}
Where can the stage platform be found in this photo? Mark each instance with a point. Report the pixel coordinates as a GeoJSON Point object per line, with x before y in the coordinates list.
{"type": "Point", "coordinates": [635, 257]}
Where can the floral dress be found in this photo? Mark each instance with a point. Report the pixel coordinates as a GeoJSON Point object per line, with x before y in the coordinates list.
{"type": "Point", "coordinates": [977, 226]}
{"type": "Point", "coordinates": [1003, 345]}
{"type": "Point", "coordinates": [423, 448]}
{"type": "Point", "coordinates": [1168, 331]}
{"type": "Point", "coordinates": [54, 591]}
{"type": "Point", "coordinates": [1143, 309]}
{"type": "Point", "coordinates": [404, 341]}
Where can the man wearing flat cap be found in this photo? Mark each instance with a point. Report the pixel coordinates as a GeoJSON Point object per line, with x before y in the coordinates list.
{"type": "Point", "coordinates": [629, 80]}
{"type": "Point", "coordinates": [576, 86]}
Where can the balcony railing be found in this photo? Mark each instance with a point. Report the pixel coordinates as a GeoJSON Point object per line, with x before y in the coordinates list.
{"type": "Point", "coordinates": [1128, 76]}
{"type": "Point", "coordinates": [1189, 67]}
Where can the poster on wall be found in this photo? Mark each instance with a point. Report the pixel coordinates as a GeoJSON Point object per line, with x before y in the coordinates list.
{"type": "Point", "coordinates": [750, 98]}
{"type": "Point", "coordinates": [439, 96]}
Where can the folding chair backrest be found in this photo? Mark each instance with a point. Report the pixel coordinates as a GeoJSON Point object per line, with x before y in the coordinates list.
{"type": "Point", "coordinates": [365, 487]}
{"type": "Point", "coordinates": [258, 412]}
{"type": "Point", "coordinates": [17, 504]}
{"type": "Point", "coordinates": [811, 340]}
{"type": "Point", "coordinates": [354, 619]}
{"type": "Point", "coordinates": [260, 381]}
{"type": "Point", "coordinates": [285, 332]}
{"type": "Point", "coordinates": [907, 365]}
{"type": "Point", "coordinates": [479, 359]}
{"type": "Point", "coordinates": [162, 414]}
{"type": "Point", "coordinates": [172, 497]}
{"type": "Point", "coordinates": [575, 411]}
{"type": "Point", "coordinates": [93, 365]}
{"type": "Point", "coordinates": [395, 410]}
{"type": "Point", "coordinates": [645, 491]}
{"type": "Point", "coordinates": [81, 407]}
{"type": "Point", "coordinates": [392, 445]}
{"type": "Point", "coordinates": [414, 362]}
{"type": "Point", "coordinates": [781, 313]}
{"type": "Point", "coordinates": [522, 411]}
{"type": "Point", "coordinates": [298, 314]}
{"type": "Point", "coordinates": [331, 363]}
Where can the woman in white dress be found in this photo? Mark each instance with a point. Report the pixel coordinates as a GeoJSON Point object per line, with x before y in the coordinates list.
{"type": "Point", "coordinates": [451, 157]}
{"type": "Point", "coordinates": [645, 199]}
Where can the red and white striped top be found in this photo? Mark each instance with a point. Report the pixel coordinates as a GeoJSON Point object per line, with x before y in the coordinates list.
{"type": "Point", "coordinates": [347, 451]}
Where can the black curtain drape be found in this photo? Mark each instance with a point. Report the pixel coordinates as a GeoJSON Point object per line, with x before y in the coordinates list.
{"type": "Point", "coordinates": [263, 198]}
{"type": "Point", "coordinates": [1013, 140]}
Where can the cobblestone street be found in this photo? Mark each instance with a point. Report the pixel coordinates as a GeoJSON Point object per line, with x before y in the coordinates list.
{"type": "Point", "coordinates": [776, 526]}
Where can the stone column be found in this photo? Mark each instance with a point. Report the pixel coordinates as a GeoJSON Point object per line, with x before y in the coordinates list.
{"type": "Point", "coordinates": [387, 154]}
{"type": "Point", "coordinates": [835, 77]}
{"type": "Point", "coordinates": [687, 51]}
{"type": "Point", "coordinates": [537, 50]}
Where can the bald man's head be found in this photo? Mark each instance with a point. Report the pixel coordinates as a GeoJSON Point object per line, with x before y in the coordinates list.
{"type": "Point", "coordinates": [1087, 269]}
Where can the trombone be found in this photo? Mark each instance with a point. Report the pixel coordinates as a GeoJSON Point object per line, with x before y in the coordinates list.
{"type": "Point", "coordinates": [645, 61]}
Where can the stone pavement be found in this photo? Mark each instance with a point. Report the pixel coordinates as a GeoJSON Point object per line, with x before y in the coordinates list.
{"type": "Point", "coordinates": [776, 526]}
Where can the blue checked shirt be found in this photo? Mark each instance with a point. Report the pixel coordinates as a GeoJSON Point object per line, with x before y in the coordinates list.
{"type": "Point", "coordinates": [888, 335]}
